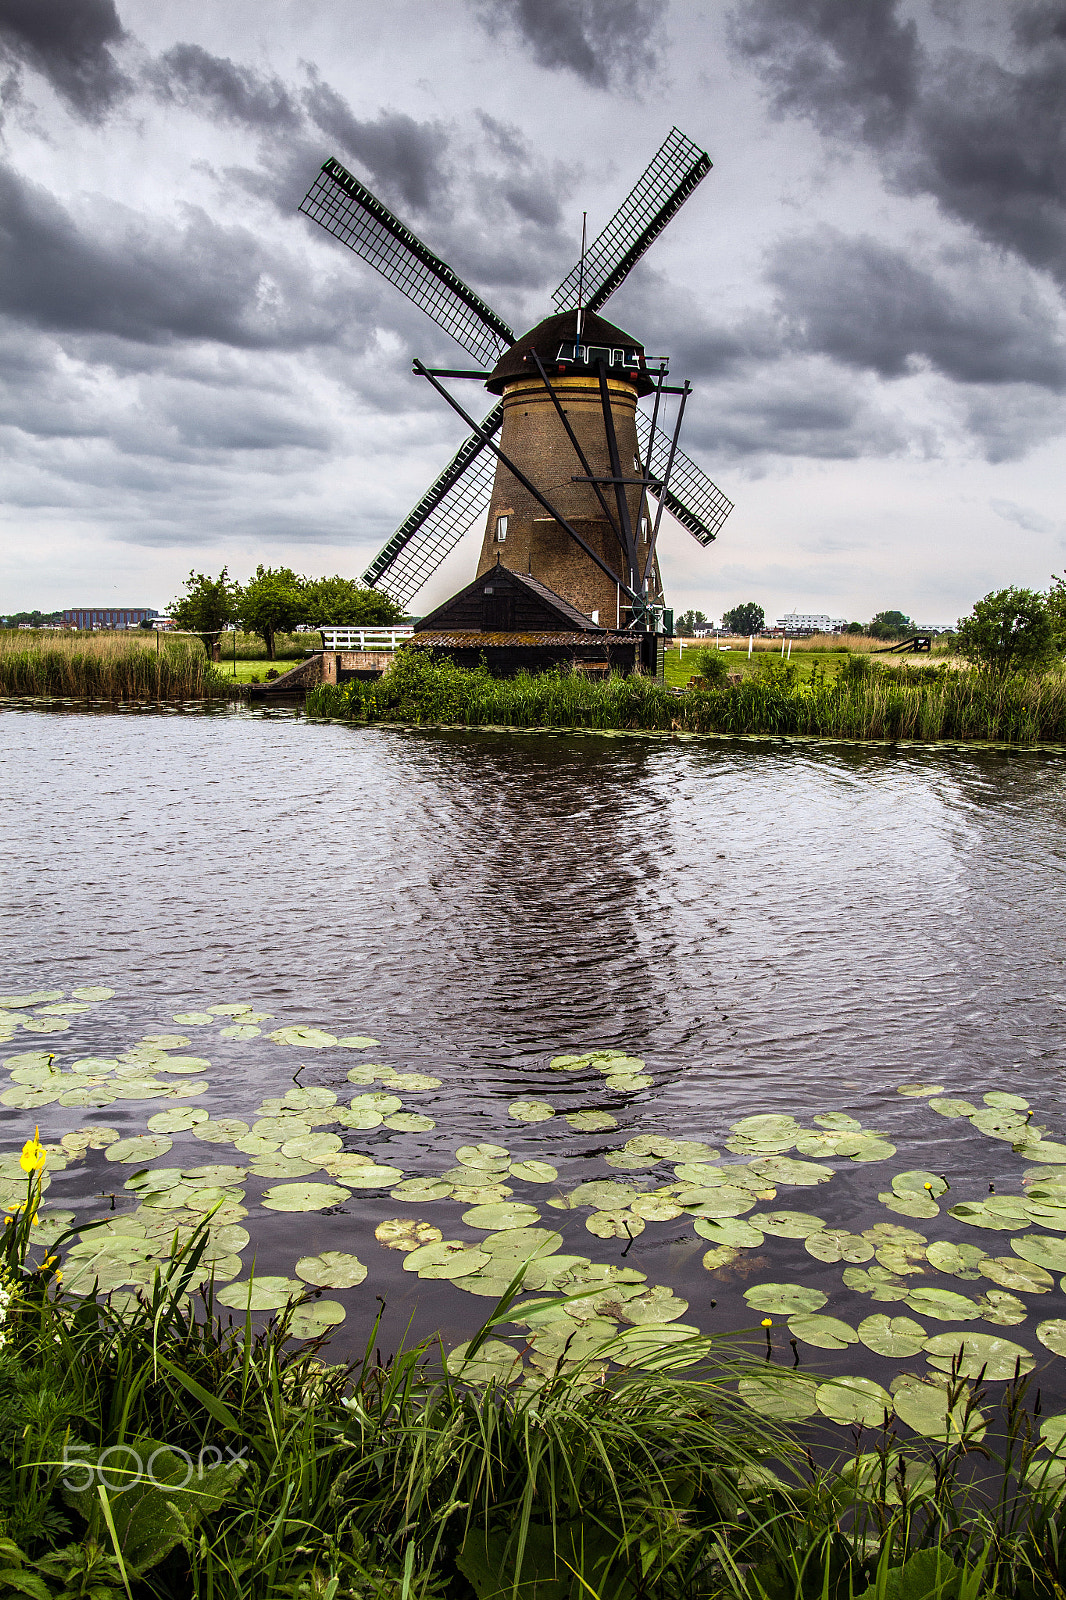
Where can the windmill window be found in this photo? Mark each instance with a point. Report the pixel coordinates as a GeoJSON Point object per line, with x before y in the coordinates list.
{"type": "Point", "coordinates": [501, 530]}
{"type": "Point", "coordinates": [644, 529]}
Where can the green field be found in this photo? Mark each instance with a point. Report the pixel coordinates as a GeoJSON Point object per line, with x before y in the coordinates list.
{"type": "Point", "coordinates": [681, 663]}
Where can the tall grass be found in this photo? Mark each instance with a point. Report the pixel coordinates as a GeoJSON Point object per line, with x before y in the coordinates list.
{"type": "Point", "coordinates": [865, 700]}
{"type": "Point", "coordinates": [107, 667]}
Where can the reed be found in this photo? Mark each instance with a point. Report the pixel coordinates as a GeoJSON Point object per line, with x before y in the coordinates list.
{"type": "Point", "coordinates": [866, 699]}
{"type": "Point", "coordinates": [114, 667]}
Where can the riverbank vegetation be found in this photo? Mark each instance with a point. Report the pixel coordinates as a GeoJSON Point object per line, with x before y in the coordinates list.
{"type": "Point", "coordinates": [274, 602]}
{"type": "Point", "coordinates": [864, 699]}
{"type": "Point", "coordinates": [111, 666]}
{"type": "Point", "coordinates": [151, 1449]}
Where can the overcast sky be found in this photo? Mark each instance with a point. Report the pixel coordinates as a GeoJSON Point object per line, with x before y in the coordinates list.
{"type": "Point", "coordinates": [867, 290]}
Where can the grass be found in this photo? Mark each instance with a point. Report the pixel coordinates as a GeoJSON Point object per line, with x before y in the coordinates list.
{"type": "Point", "coordinates": [155, 1451]}
{"type": "Point", "coordinates": [863, 699]}
{"type": "Point", "coordinates": [108, 666]}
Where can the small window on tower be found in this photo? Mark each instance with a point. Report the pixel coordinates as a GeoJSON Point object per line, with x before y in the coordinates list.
{"type": "Point", "coordinates": [501, 530]}
{"type": "Point", "coordinates": [644, 529]}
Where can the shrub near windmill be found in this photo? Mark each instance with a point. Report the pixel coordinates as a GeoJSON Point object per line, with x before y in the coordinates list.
{"type": "Point", "coordinates": [577, 482]}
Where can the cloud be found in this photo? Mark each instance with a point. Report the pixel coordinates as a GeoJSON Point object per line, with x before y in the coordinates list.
{"type": "Point", "coordinates": [980, 132]}
{"type": "Point", "coordinates": [70, 43]}
{"type": "Point", "coordinates": [603, 42]}
{"type": "Point", "coordinates": [190, 75]}
{"type": "Point", "coordinates": [1024, 517]}
{"type": "Point", "coordinates": [873, 305]}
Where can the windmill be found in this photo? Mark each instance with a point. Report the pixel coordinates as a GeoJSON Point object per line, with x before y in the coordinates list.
{"type": "Point", "coordinates": [570, 482]}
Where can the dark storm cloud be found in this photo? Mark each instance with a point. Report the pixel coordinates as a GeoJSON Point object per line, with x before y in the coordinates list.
{"type": "Point", "coordinates": [150, 284]}
{"type": "Point", "coordinates": [190, 75]}
{"type": "Point", "coordinates": [70, 43]}
{"type": "Point", "coordinates": [602, 41]}
{"type": "Point", "coordinates": [404, 155]}
{"type": "Point", "coordinates": [868, 304]}
{"type": "Point", "coordinates": [983, 135]}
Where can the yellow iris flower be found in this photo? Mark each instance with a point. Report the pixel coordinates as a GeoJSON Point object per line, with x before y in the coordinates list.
{"type": "Point", "coordinates": [33, 1155]}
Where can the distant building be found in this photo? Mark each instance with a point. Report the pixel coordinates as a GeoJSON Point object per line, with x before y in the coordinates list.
{"type": "Point", "coordinates": [810, 622]}
{"type": "Point", "coordinates": [108, 616]}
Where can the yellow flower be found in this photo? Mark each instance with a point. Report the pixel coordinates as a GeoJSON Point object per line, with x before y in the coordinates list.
{"type": "Point", "coordinates": [767, 1322]}
{"type": "Point", "coordinates": [33, 1155]}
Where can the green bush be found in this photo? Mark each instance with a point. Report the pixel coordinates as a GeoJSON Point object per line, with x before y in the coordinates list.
{"type": "Point", "coordinates": [1009, 630]}
{"type": "Point", "coordinates": [711, 666]}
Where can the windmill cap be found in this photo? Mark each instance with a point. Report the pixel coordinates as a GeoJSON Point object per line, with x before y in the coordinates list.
{"type": "Point", "coordinates": [554, 342]}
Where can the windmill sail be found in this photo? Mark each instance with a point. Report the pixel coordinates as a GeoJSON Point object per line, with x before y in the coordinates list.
{"type": "Point", "coordinates": [673, 174]}
{"type": "Point", "coordinates": [342, 205]}
{"type": "Point", "coordinates": [697, 503]}
{"type": "Point", "coordinates": [431, 531]}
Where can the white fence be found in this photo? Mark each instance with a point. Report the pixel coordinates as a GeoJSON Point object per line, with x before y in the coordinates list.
{"type": "Point", "coordinates": [363, 638]}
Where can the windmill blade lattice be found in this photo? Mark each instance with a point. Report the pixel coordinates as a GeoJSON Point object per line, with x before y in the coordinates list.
{"type": "Point", "coordinates": [675, 170]}
{"type": "Point", "coordinates": [692, 499]}
{"type": "Point", "coordinates": [342, 205]}
{"type": "Point", "coordinates": [433, 528]}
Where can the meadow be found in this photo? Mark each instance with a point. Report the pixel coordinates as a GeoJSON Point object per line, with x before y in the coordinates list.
{"type": "Point", "coordinates": [107, 666]}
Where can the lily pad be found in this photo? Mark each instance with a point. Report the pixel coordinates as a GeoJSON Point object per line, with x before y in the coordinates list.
{"type": "Point", "coordinates": [650, 1306]}
{"type": "Point", "coordinates": [492, 1362]}
{"type": "Point", "coordinates": [786, 1397]}
{"type": "Point", "coordinates": [259, 1294]}
{"type": "Point", "coordinates": [409, 1122]}
{"type": "Point", "coordinates": [629, 1082]}
{"type": "Point", "coordinates": [837, 1244]}
{"type": "Point", "coordinates": [533, 1171]}
{"type": "Point", "coordinates": [976, 1214]}
{"type": "Point", "coordinates": [494, 1218]}
{"type": "Point", "coordinates": [924, 1407]}
{"type": "Point", "coordinates": [656, 1208]}
{"type": "Point", "coordinates": [1002, 1101]}
{"type": "Point", "coordinates": [314, 1320]}
{"type": "Point", "coordinates": [603, 1195]}
{"type": "Point", "coordinates": [615, 1224]}
{"type": "Point", "coordinates": [949, 1106]}
{"type": "Point", "coordinates": [451, 1264]}
{"type": "Point", "coordinates": [279, 1166]}
{"type": "Point", "coordinates": [530, 1110]}
{"type": "Point", "coordinates": [665, 1149]}
{"type": "Point", "coordinates": [960, 1260]}
{"type": "Point", "coordinates": [1024, 1277]}
{"type": "Point", "coordinates": [404, 1233]}
{"type": "Point", "coordinates": [920, 1090]}
{"type": "Point", "coordinates": [977, 1351]}
{"type": "Point", "coordinates": [358, 1041]}
{"type": "Point", "coordinates": [417, 1189]}
{"type": "Point", "coordinates": [179, 1120]}
{"type": "Point", "coordinates": [826, 1333]}
{"type": "Point", "coordinates": [942, 1304]}
{"type": "Point", "coordinates": [787, 1299]}
{"type": "Point", "coordinates": [854, 1400]}
{"type": "Point", "coordinates": [303, 1196]}
{"type": "Point", "coordinates": [788, 1224]}
{"type": "Point", "coordinates": [333, 1269]}
{"type": "Point", "coordinates": [591, 1121]}
{"type": "Point", "coordinates": [1046, 1150]}
{"type": "Point", "coordinates": [92, 991]}
{"type": "Point", "coordinates": [909, 1205]}
{"type": "Point", "coordinates": [141, 1147]}
{"type": "Point", "coordinates": [523, 1244]}
{"type": "Point", "coordinates": [312, 1146]}
{"type": "Point", "coordinates": [240, 1030]}
{"type": "Point", "coordinates": [877, 1282]}
{"type": "Point", "coordinates": [1042, 1250]}
{"type": "Point", "coordinates": [484, 1157]}
{"type": "Point", "coordinates": [898, 1337]}
{"type": "Point", "coordinates": [1004, 1309]}
{"type": "Point", "coordinates": [720, 1255]}
{"type": "Point", "coordinates": [304, 1038]}
{"type": "Point", "coordinates": [729, 1231]}
{"type": "Point", "coordinates": [368, 1177]}
{"type": "Point", "coordinates": [873, 1150]}
{"type": "Point", "coordinates": [783, 1169]}
{"type": "Point", "coordinates": [194, 1019]}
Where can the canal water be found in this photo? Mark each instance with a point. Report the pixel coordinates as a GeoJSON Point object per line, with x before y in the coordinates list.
{"type": "Point", "coordinates": [793, 929]}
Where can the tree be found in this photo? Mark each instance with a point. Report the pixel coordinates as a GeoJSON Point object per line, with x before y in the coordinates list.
{"type": "Point", "coordinates": [1008, 631]}
{"type": "Point", "coordinates": [207, 606]}
{"type": "Point", "coordinates": [688, 622]}
{"type": "Point", "coordinates": [1056, 608]}
{"type": "Point", "coordinates": [272, 602]}
{"type": "Point", "coordinates": [890, 625]}
{"type": "Point", "coordinates": [853, 627]}
{"type": "Point", "coordinates": [747, 618]}
{"type": "Point", "coordinates": [341, 603]}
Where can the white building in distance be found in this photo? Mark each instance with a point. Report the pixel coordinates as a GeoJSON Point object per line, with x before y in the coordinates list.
{"type": "Point", "coordinates": [811, 622]}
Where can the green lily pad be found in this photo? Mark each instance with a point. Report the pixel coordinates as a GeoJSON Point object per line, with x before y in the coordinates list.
{"type": "Point", "coordinates": [240, 1030]}
{"type": "Point", "coordinates": [92, 991]}
{"type": "Point", "coordinates": [719, 1201]}
{"type": "Point", "coordinates": [920, 1090]}
{"type": "Point", "coordinates": [898, 1337]}
{"type": "Point", "coordinates": [826, 1333]}
{"type": "Point", "coordinates": [279, 1166]}
{"type": "Point", "coordinates": [250, 1144]}
{"type": "Point", "coordinates": [230, 1009]}
{"type": "Point", "coordinates": [359, 1116]}
{"type": "Point", "coordinates": [358, 1041]}
{"type": "Point", "coordinates": [38, 997]}
{"type": "Point", "coordinates": [312, 1146]}
{"type": "Point", "coordinates": [45, 1024]}
{"type": "Point", "coordinates": [976, 1214]}
{"type": "Point", "coordinates": [909, 1205]}
{"type": "Point", "coordinates": [164, 1041]}
{"type": "Point", "coordinates": [333, 1269]}
{"type": "Point", "coordinates": [1052, 1335]}
{"type": "Point", "coordinates": [855, 1401]}
{"type": "Point", "coordinates": [215, 1173]}
{"type": "Point", "coordinates": [960, 1260]}
{"type": "Point", "coordinates": [1024, 1277]}
{"type": "Point", "coordinates": [656, 1208]}
{"type": "Point", "coordinates": [873, 1150]}
{"type": "Point", "coordinates": [417, 1189]}
{"type": "Point", "coordinates": [304, 1038]}
{"type": "Point", "coordinates": [492, 1362]}
{"type": "Point", "coordinates": [603, 1195]}
{"type": "Point", "coordinates": [949, 1106]}
{"type": "Point", "coordinates": [179, 1066]}
{"type": "Point", "coordinates": [782, 1397]}
{"type": "Point", "coordinates": [1004, 1309]}
{"type": "Point", "coordinates": [530, 1110]}
{"type": "Point", "coordinates": [664, 1149]}
{"type": "Point", "coordinates": [977, 1351]}
{"type": "Point", "coordinates": [1042, 1251]}
{"type": "Point", "coordinates": [924, 1407]}
{"type": "Point", "coordinates": [409, 1122]}
{"type": "Point", "coordinates": [303, 1196]}
{"type": "Point", "coordinates": [450, 1264]}
{"type": "Point", "coordinates": [533, 1171]}
{"type": "Point", "coordinates": [194, 1019]}
{"type": "Point", "coordinates": [495, 1218]}
{"type": "Point", "coordinates": [404, 1233]}
{"type": "Point", "coordinates": [788, 1224]}
{"type": "Point", "coordinates": [721, 1255]}
{"type": "Point", "coordinates": [837, 1244]}
{"type": "Point", "coordinates": [481, 1194]}
{"type": "Point", "coordinates": [591, 1121]}
{"type": "Point", "coordinates": [654, 1306]}
{"type": "Point", "coordinates": [729, 1231]}
{"type": "Point", "coordinates": [141, 1147]}
{"type": "Point", "coordinates": [942, 1304]}
{"type": "Point", "coordinates": [259, 1294]}
{"type": "Point", "coordinates": [373, 1176]}
{"type": "Point", "coordinates": [1046, 1150]}
{"type": "Point", "coordinates": [782, 1169]}
{"type": "Point", "coordinates": [622, 1224]}
{"type": "Point", "coordinates": [364, 1073]}
{"type": "Point", "coordinates": [1002, 1101]}
{"type": "Point", "coordinates": [523, 1244]}
{"type": "Point", "coordinates": [629, 1082]}
{"type": "Point", "coordinates": [179, 1120]}
{"type": "Point", "coordinates": [1006, 1125]}
{"type": "Point", "coordinates": [877, 1282]}
{"type": "Point", "coordinates": [316, 1319]}
{"type": "Point", "coordinates": [787, 1299]}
